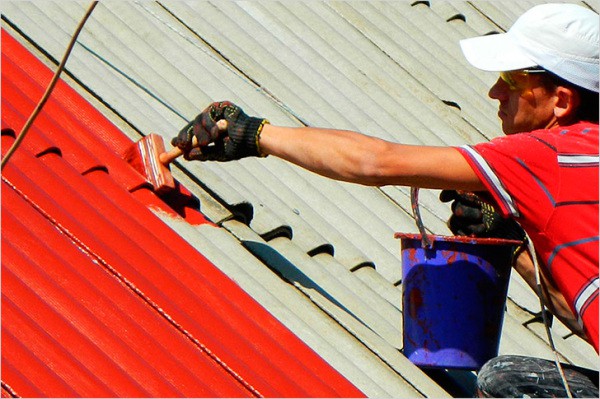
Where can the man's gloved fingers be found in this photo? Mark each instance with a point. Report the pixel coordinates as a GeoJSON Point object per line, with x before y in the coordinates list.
{"type": "Point", "coordinates": [203, 137]}
{"type": "Point", "coordinates": [228, 110]}
{"type": "Point", "coordinates": [183, 139]}
{"type": "Point", "coordinates": [223, 132]}
{"type": "Point", "coordinates": [456, 226]}
{"type": "Point", "coordinates": [461, 227]}
{"type": "Point", "coordinates": [478, 230]}
{"type": "Point", "coordinates": [216, 132]}
{"type": "Point", "coordinates": [212, 152]}
{"type": "Point", "coordinates": [195, 154]}
{"type": "Point", "coordinates": [199, 154]}
{"type": "Point", "coordinates": [221, 110]}
{"type": "Point", "coordinates": [212, 124]}
{"type": "Point", "coordinates": [464, 198]}
{"type": "Point", "coordinates": [213, 111]}
{"type": "Point", "coordinates": [470, 199]}
{"type": "Point", "coordinates": [448, 195]}
{"type": "Point", "coordinates": [468, 211]}
{"type": "Point", "coordinates": [471, 216]}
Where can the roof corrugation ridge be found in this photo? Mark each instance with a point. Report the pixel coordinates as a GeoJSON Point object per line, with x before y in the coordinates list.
{"type": "Point", "coordinates": [570, 351]}
{"type": "Point", "coordinates": [333, 282]}
{"type": "Point", "coordinates": [284, 185]}
{"type": "Point", "coordinates": [462, 16]}
{"type": "Point", "coordinates": [503, 16]}
{"type": "Point", "coordinates": [376, 110]}
{"type": "Point", "coordinates": [238, 19]}
{"type": "Point", "coordinates": [337, 286]}
{"type": "Point", "coordinates": [337, 68]}
{"type": "Point", "coordinates": [318, 195]}
{"type": "Point", "coordinates": [421, 62]}
{"type": "Point", "coordinates": [390, 292]}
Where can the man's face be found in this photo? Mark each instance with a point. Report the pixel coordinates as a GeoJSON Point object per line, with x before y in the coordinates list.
{"type": "Point", "coordinates": [525, 104]}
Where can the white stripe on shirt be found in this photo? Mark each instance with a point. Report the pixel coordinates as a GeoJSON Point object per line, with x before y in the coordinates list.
{"type": "Point", "coordinates": [573, 159]}
{"type": "Point", "coordinates": [585, 295]}
{"type": "Point", "coordinates": [493, 179]}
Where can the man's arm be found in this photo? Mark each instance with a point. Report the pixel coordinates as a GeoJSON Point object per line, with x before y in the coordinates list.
{"type": "Point", "coordinates": [553, 299]}
{"type": "Point", "coordinates": [224, 132]}
{"type": "Point", "coordinates": [354, 157]}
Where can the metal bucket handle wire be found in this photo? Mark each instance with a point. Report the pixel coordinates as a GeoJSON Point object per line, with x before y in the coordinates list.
{"type": "Point", "coordinates": [414, 202]}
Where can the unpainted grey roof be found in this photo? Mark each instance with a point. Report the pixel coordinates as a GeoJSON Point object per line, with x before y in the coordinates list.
{"type": "Point", "coordinates": [319, 254]}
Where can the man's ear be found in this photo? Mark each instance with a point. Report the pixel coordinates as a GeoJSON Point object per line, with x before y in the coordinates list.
{"type": "Point", "coordinates": [567, 101]}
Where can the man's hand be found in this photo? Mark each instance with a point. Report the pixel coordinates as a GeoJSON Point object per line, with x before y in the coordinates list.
{"type": "Point", "coordinates": [473, 217]}
{"type": "Point", "coordinates": [214, 143]}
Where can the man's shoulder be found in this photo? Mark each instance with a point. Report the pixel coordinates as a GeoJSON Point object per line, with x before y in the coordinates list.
{"type": "Point", "coordinates": [580, 134]}
{"type": "Point", "coordinates": [578, 129]}
{"type": "Point", "coordinates": [561, 138]}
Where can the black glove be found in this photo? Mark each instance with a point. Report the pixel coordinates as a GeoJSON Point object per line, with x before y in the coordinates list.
{"type": "Point", "coordinates": [215, 143]}
{"type": "Point", "coordinates": [473, 217]}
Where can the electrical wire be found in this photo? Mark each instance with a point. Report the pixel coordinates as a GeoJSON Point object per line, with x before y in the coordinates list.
{"type": "Point", "coordinates": [49, 89]}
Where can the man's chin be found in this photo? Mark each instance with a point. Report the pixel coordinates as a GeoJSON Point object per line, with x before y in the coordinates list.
{"type": "Point", "coordinates": [509, 128]}
{"type": "Point", "coordinates": [506, 129]}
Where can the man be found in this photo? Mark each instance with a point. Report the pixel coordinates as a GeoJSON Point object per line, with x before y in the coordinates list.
{"type": "Point", "coordinates": [543, 173]}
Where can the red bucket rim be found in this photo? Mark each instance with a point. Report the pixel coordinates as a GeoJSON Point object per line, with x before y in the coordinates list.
{"type": "Point", "coordinates": [458, 239]}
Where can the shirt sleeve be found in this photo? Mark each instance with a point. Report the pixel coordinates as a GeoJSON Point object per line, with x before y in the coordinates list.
{"type": "Point", "coordinates": [517, 171]}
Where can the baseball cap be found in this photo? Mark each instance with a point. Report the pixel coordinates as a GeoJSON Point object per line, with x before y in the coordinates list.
{"type": "Point", "coordinates": [561, 38]}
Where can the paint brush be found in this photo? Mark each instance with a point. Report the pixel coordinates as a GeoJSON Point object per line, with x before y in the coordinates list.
{"type": "Point", "coordinates": [149, 157]}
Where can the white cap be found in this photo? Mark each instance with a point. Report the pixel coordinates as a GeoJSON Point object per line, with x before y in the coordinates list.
{"type": "Point", "coordinates": [561, 38]}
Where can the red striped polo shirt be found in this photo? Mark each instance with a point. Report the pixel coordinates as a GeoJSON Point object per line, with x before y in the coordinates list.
{"type": "Point", "coordinates": [548, 181]}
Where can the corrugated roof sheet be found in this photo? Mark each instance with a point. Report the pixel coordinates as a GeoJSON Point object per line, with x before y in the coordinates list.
{"type": "Point", "coordinates": [99, 296]}
{"type": "Point", "coordinates": [390, 69]}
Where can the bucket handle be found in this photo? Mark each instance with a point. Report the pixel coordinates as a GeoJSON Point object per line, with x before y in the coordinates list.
{"type": "Point", "coordinates": [414, 202]}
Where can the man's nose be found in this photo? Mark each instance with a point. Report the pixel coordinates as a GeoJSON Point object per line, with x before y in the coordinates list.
{"type": "Point", "coordinates": [499, 91]}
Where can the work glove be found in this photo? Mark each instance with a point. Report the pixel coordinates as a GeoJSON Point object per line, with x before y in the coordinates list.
{"type": "Point", "coordinates": [473, 217]}
{"type": "Point", "coordinates": [216, 142]}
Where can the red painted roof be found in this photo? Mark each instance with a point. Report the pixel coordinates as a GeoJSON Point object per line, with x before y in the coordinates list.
{"type": "Point", "coordinates": [99, 297]}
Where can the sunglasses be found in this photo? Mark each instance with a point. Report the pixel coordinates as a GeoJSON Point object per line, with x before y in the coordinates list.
{"type": "Point", "coordinates": [519, 80]}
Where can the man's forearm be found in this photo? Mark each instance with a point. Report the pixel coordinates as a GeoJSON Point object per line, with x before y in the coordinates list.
{"type": "Point", "coordinates": [552, 297]}
{"type": "Point", "coordinates": [357, 158]}
{"type": "Point", "coordinates": [339, 154]}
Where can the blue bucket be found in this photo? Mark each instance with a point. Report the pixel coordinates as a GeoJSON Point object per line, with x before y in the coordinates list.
{"type": "Point", "coordinates": [453, 298]}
